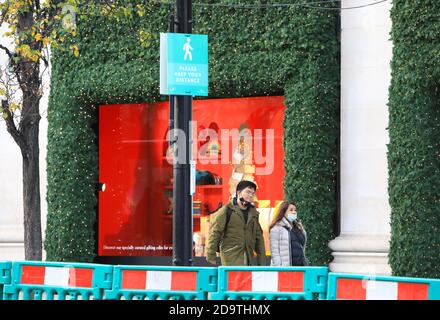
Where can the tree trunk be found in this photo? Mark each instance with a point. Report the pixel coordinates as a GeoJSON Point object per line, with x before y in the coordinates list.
{"type": "Point", "coordinates": [31, 194]}
{"type": "Point", "coordinates": [29, 127]}
{"type": "Point", "coordinates": [30, 84]}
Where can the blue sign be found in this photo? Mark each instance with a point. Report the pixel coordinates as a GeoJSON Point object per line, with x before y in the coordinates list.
{"type": "Point", "coordinates": [183, 64]}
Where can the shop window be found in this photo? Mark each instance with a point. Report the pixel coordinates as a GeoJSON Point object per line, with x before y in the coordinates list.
{"type": "Point", "coordinates": [235, 139]}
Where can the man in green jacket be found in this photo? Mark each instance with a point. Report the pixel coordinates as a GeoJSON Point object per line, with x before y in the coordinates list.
{"type": "Point", "coordinates": [243, 234]}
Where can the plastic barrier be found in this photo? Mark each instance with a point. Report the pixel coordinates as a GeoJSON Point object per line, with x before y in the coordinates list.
{"type": "Point", "coordinates": [5, 275]}
{"type": "Point", "coordinates": [32, 280]}
{"type": "Point", "coordinates": [271, 283]}
{"type": "Point", "coordinates": [342, 286]}
{"type": "Point", "coordinates": [165, 283]}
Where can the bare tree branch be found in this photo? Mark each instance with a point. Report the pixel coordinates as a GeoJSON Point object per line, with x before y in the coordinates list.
{"type": "Point", "coordinates": [14, 65]}
{"type": "Point", "coordinates": [4, 15]}
{"type": "Point", "coordinates": [46, 63]}
{"type": "Point", "coordinates": [8, 52]}
{"type": "Point", "coordinates": [12, 129]}
{"type": "Point", "coordinates": [37, 5]}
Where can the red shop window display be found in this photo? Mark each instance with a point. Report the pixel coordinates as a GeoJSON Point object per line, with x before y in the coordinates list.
{"type": "Point", "coordinates": [235, 139]}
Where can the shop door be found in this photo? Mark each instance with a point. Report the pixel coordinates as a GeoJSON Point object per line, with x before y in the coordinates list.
{"type": "Point", "coordinates": [131, 169]}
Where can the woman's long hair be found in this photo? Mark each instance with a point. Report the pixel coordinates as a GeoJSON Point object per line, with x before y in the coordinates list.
{"type": "Point", "coordinates": [279, 214]}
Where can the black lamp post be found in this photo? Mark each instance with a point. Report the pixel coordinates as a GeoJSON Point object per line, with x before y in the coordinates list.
{"type": "Point", "coordinates": [182, 198]}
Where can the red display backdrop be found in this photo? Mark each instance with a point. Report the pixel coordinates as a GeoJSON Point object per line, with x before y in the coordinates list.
{"type": "Point", "coordinates": [135, 208]}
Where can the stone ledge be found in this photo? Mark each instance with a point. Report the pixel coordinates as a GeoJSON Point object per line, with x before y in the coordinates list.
{"type": "Point", "coordinates": [11, 233]}
{"type": "Point", "coordinates": [361, 243]}
{"type": "Point", "coordinates": [11, 251]}
{"type": "Point", "coordinates": [360, 263]}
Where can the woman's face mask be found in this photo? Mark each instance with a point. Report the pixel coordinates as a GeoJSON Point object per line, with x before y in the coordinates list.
{"type": "Point", "coordinates": [291, 214]}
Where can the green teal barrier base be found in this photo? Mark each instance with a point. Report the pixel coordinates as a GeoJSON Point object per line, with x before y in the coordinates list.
{"type": "Point", "coordinates": [157, 295]}
{"type": "Point", "coordinates": [5, 275]}
{"type": "Point", "coordinates": [247, 295]}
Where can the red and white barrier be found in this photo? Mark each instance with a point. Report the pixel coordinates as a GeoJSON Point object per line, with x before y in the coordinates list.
{"type": "Point", "coordinates": [358, 289]}
{"type": "Point", "coordinates": [265, 281]}
{"type": "Point", "coordinates": [159, 280]}
{"type": "Point", "coordinates": [56, 276]}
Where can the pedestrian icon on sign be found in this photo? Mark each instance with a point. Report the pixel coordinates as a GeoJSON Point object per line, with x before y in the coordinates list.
{"type": "Point", "coordinates": [187, 48]}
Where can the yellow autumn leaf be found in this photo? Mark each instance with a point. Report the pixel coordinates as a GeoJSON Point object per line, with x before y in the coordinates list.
{"type": "Point", "coordinates": [2, 92]}
{"type": "Point", "coordinates": [17, 4]}
{"type": "Point", "coordinates": [145, 38]}
{"type": "Point", "coordinates": [14, 106]}
{"type": "Point", "coordinates": [75, 50]}
{"type": "Point", "coordinates": [46, 40]}
{"type": "Point", "coordinates": [38, 37]}
{"type": "Point", "coordinates": [24, 50]}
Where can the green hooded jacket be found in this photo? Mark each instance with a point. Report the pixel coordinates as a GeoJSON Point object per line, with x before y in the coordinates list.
{"type": "Point", "coordinates": [239, 241]}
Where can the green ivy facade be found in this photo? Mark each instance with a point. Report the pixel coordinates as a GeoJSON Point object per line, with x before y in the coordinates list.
{"type": "Point", "coordinates": [252, 52]}
{"type": "Point", "coordinates": [414, 129]}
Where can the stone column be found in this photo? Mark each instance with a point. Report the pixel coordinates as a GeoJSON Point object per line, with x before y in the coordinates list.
{"type": "Point", "coordinates": [366, 52]}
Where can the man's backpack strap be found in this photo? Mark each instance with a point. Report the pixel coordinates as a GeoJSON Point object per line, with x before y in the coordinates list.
{"type": "Point", "coordinates": [228, 217]}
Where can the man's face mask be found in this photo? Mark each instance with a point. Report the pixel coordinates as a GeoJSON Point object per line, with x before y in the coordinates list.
{"type": "Point", "coordinates": [244, 202]}
{"type": "Point", "coordinates": [246, 197]}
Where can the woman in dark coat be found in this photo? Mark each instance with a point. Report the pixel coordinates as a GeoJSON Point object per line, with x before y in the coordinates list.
{"type": "Point", "coordinates": [287, 237]}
